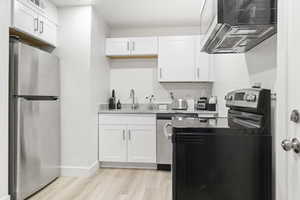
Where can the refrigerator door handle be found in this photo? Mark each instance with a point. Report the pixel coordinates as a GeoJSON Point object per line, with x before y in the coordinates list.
{"type": "Point", "coordinates": [38, 98]}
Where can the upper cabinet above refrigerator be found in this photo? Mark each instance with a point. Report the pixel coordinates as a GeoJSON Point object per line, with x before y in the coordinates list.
{"type": "Point", "coordinates": [35, 21]}
{"type": "Point", "coordinates": [236, 26]}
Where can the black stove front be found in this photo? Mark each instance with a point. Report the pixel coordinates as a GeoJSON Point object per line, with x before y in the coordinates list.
{"type": "Point", "coordinates": [227, 159]}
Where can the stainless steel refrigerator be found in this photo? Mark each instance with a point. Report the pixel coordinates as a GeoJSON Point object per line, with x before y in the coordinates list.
{"type": "Point", "coordinates": [34, 117]}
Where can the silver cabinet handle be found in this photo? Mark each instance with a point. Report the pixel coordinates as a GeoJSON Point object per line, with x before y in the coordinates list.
{"type": "Point", "coordinates": [124, 136]}
{"type": "Point", "coordinates": [133, 46]}
{"type": "Point", "coordinates": [198, 73]}
{"type": "Point", "coordinates": [128, 46]}
{"type": "Point", "coordinates": [129, 134]}
{"type": "Point", "coordinates": [36, 24]}
{"type": "Point", "coordinates": [42, 27]}
{"type": "Point", "coordinates": [160, 73]}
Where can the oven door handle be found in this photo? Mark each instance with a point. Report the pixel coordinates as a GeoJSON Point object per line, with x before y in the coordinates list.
{"type": "Point", "coordinates": [167, 134]}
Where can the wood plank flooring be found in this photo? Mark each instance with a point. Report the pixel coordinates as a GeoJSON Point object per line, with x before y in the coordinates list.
{"type": "Point", "coordinates": [111, 184]}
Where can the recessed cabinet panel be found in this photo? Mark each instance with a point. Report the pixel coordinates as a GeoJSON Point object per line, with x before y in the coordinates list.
{"type": "Point", "coordinates": [25, 19]}
{"type": "Point", "coordinates": [47, 30]}
{"type": "Point", "coordinates": [142, 144]}
{"type": "Point", "coordinates": [144, 46]}
{"type": "Point", "coordinates": [117, 47]}
{"type": "Point", "coordinates": [176, 60]}
{"type": "Point", "coordinates": [113, 144]}
{"type": "Point", "coordinates": [204, 64]}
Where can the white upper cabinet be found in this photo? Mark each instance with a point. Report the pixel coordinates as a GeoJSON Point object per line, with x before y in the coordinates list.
{"type": "Point", "coordinates": [144, 46]}
{"type": "Point", "coordinates": [37, 21]}
{"type": "Point", "coordinates": [180, 60]}
{"type": "Point", "coordinates": [25, 18]}
{"type": "Point", "coordinates": [176, 59]}
{"type": "Point", "coordinates": [204, 64]}
{"type": "Point", "coordinates": [48, 30]}
{"type": "Point", "coordinates": [117, 47]}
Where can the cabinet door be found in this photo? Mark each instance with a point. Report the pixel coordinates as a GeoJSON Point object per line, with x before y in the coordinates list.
{"type": "Point", "coordinates": [176, 59]}
{"type": "Point", "coordinates": [25, 19]}
{"type": "Point", "coordinates": [112, 143]}
{"type": "Point", "coordinates": [117, 47]}
{"type": "Point", "coordinates": [204, 64]}
{"type": "Point", "coordinates": [47, 30]}
{"type": "Point", "coordinates": [144, 46]}
{"type": "Point", "coordinates": [142, 144]}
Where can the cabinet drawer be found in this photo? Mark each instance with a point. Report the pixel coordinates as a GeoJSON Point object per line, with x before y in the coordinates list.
{"type": "Point", "coordinates": [134, 119]}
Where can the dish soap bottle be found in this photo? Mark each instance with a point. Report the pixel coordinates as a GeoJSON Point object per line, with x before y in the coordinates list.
{"type": "Point", "coordinates": [119, 105]}
{"type": "Point", "coordinates": [112, 101]}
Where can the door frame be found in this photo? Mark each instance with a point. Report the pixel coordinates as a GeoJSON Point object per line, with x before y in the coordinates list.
{"type": "Point", "coordinates": [282, 115]}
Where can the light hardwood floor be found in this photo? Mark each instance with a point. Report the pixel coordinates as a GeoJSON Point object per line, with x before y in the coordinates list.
{"type": "Point", "coordinates": [111, 184]}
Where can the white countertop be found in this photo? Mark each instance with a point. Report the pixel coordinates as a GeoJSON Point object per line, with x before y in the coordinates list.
{"type": "Point", "coordinates": [145, 111]}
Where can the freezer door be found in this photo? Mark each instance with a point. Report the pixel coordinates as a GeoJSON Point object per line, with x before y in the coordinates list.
{"type": "Point", "coordinates": [38, 154]}
{"type": "Point", "coordinates": [37, 72]}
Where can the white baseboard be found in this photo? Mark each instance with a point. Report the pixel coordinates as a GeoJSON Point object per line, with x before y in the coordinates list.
{"type": "Point", "coordinates": [6, 197]}
{"type": "Point", "coordinates": [79, 171]}
{"type": "Point", "coordinates": [128, 165]}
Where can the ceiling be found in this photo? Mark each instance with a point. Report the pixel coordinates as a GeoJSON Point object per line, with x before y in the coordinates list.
{"type": "Point", "coordinates": [144, 13]}
{"type": "Point", "coordinates": [61, 3]}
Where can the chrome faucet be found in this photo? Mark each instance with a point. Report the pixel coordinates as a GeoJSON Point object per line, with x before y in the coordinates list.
{"type": "Point", "coordinates": [132, 95]}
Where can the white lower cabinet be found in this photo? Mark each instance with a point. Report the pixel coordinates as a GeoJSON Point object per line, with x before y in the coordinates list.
{"type": "Point", "coordinates": [127, 138]}
{"type": "Point", "coordinates": [113, 143]}
{"type": "Point", "coordinates": [142, 144]}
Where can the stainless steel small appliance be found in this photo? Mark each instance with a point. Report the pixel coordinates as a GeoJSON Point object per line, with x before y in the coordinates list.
{"type": "Point", "coordinates": [178, 103]}
{"type": "Point", "coordinates": [34, 120]}
{"type": "Point", "coordinates": [201, 103]}
{"type": "Point", "coordinates": [236, 26]}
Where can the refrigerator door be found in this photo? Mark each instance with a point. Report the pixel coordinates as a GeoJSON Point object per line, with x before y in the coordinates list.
{"type": "Point", "coordinates": [37, 72]}
{"type": "Point", "coordinates": [38, 149]}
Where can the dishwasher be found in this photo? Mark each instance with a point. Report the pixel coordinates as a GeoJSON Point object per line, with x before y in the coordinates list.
{"type": "Point", "coordinates": [164, 138]}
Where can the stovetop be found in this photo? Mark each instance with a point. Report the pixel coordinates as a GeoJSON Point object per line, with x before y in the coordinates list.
{"type": "Point", "coordinates": [200, 123]}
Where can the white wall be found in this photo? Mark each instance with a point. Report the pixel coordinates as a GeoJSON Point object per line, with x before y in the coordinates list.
{"type": "Point", "coordinates": [4, 23]}
{"type": "Point", "coordinates": [99, 74]}
{"type": "Point", "coordinates": [141, 74]}
{"type": "Point", "coordinates": [83, 75]}
{"type": "Point", "coordinates": [235, 71]}
{"type": "Point", "coordinates": [156, 31]}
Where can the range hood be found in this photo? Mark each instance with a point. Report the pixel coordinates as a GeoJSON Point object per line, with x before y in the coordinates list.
{"type": "Point", "coordinates": [236, 26]}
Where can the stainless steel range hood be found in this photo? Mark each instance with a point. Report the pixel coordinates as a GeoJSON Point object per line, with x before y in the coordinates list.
{"type": "Point", "coordinates": [236, 26]}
